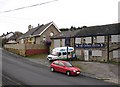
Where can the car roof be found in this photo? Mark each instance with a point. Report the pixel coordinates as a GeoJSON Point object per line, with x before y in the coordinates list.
{"type": "Point", "coordinates": [61, 61]}
{"type": "Point", "coordinates": [63, 49]}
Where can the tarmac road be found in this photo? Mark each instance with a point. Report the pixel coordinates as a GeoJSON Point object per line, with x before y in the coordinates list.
{"type": "Point", "coordinates": [24, 72]}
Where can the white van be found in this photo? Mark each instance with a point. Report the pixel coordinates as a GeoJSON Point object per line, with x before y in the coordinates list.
{"type": "Point", "coordinates": [60, 53]}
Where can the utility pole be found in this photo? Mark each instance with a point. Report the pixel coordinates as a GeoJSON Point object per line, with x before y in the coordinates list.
{"type": "Point", "coordinates": [67, 52]}
{"type": "Point", "coordinates": [108, 48]}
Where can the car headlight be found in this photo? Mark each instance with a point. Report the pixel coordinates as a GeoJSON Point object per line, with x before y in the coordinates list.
{"type": "Point", "coordinates": [74, 70]}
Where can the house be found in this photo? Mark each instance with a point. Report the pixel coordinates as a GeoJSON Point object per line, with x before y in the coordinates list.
{"type": "Point", "coordinates": [5, 37]}
{"type": "Point", "coordinates": [95, 43]}
{"type": "Point", "coordinates": [14, 38]}
{"type": "Point", "coordinates": [37, 39]}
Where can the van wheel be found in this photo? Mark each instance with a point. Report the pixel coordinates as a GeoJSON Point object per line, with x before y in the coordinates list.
{"type": "Point", "coordinates": [68, 73]}
{"type": "Point", "coordinates": [52, 69]}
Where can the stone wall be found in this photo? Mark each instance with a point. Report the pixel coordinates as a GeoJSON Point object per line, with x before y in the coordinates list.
{"type": "Point", "coordinates": [26, 49]}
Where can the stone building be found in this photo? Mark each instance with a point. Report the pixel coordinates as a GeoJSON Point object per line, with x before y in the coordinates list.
{"type": "Point", "coordinates": [95, 43]}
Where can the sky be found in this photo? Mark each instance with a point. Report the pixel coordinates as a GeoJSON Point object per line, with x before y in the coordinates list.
{"type": "Point", "coordinates": [64, 13]}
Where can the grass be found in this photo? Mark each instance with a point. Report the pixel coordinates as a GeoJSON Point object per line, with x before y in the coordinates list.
{"type": "Point", "coordinates": [42, 56]}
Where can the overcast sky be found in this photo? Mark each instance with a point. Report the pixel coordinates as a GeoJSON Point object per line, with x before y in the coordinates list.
{"type": "Point", "coordinates": [64, 13]}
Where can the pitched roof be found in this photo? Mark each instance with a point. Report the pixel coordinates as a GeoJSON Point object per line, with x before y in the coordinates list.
{"type": "Point", "coordinates": [38, 30]}
{"type": "Point", "coordinates": [15, 35]}
{"type": "Point", "coordinates": [110, 29]}
{"type": "Point", "coordinates": [68, 33]}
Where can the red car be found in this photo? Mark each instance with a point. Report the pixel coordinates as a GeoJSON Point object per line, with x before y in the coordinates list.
{"type": "Point", "coordinates": [64, 67]}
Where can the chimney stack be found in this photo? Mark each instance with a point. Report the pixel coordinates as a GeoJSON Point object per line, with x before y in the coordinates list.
{"type": "Point", "coordinates": [29, 27]}
{"type": "Point", "coordinates": [38, 25]}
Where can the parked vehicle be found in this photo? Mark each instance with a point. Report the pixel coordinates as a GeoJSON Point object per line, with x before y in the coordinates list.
{"type": "Point", "coordinates": [64, 67]}
{"type": "Point", "coordinates": [61, 53]}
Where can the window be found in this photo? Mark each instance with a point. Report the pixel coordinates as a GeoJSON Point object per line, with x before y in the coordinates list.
{"type": "Point", "coordinates": [68, 64]}
{"type": "Point", "coordinates": [63, 42]}
{"type": "Point", "coordinates": [56, 62]}
{"type": "Point", "coordinates": [68, 53]}
{"type": "Point", "coordinates": [88, 40]}
{"type": "Point", "coordinates": [64, 53]}
{"type": "Point", "coordinates": [59, 54]}
{"type": "Point", "coordinates": [115, 38]}
{"type": "Point", "coordinates": [78, 40]}
{"type": "Point", "coordinates": [96, 53]}
{"type": "Point", "coordinates": [44, 37]}
{"type": "Point", "coordinates": [100, 39]}
{"type": "Point", "coordinates": [51, 34]}
{"type": "Point", "coordinates": [116, 54]}
{"type": "Point", "coordinates": [61, 64]}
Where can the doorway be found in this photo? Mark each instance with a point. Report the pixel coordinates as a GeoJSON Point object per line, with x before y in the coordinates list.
{"type": "Point", "coordinates": [86, 55]}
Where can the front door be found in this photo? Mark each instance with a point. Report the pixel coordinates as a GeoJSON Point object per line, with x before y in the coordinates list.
{"type": "Point", "coordinates": [86, 55]}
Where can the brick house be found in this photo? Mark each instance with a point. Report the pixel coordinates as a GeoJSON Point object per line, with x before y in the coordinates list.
{"type": "Point", "coordinates": [95, 43]}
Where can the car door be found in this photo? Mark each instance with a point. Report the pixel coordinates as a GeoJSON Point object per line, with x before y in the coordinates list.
{"type": "Point", "coordinates": [56, 65]}
{"type": "Point", "coordinates": [61, 67]}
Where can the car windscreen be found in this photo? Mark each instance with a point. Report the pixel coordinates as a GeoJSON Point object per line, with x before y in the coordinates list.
{"type": "Point", "coordinates": [68, 64]}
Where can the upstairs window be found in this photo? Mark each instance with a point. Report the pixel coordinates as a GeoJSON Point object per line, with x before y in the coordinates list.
{"type": "Point", "coordinates": [100, 39]}
{"type": "Point", "coordinates": [115, 38]}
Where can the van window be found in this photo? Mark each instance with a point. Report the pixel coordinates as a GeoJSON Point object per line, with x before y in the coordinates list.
{"type": "Point", "coordinates": [59, 54]}
{"type": "Point", "coordinates": [64, 53]}
{"type": "Point", "coordinates": [68, 53]}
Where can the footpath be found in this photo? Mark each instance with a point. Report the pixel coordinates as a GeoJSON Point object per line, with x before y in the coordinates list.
{"type": "Point", "coordinates": [102, 71]}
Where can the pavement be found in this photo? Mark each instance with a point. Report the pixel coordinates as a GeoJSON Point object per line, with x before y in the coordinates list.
{"type": "Point", "coordinates": [102, 71]}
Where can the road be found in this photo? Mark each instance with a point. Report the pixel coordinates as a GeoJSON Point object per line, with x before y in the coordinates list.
{"type": "Point", "coordinates": [18, 70]}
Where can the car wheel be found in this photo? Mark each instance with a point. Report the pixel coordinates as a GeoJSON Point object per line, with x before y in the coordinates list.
{"type": "Point", "coordinates": [52, 69]}
{"type": "Point", "coordinates": [68, 73]}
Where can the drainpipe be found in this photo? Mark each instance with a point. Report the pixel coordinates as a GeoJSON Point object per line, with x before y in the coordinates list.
{"type": "Point", "coordinates": [74, 46]}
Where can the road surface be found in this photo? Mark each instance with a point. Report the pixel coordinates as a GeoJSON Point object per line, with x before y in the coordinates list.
{"type": "Point", "coordinates": [18, 70]}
